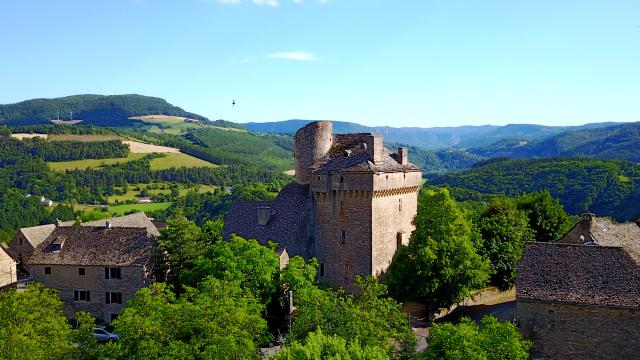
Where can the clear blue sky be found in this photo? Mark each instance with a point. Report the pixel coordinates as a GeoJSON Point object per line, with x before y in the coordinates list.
{"type": "Point", "coordinates": [398, 63]}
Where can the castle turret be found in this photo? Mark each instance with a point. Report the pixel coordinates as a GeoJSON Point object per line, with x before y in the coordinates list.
{"type": "Point", "coordinates": [312, 143]}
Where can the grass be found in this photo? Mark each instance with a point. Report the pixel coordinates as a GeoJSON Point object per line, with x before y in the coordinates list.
{"type": "Point", "coordinates": [92, 163]}
{"type": "Point", "coordinates": [84, 138]}
{"type": "Point", "coordinates": [169, 160]}
{"type": "Point", "coordinates": [133, 194]}
{"type": "Point", "coordinates": [122, 209]}
{"type": "Point", "coordinates": [178, 160]}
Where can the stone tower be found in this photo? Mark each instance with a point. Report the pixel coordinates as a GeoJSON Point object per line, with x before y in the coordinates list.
{"type": "Point", "coordinates": [364, 200]}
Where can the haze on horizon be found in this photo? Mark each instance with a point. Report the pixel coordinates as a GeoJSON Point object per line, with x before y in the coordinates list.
{"type": "Point", "coordinates": [410, 63]}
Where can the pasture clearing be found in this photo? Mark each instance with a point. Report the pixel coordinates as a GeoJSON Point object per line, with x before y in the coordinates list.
{"type": "Point", "coordinates": [84, 138]}
{"type": "Point", "coordinates": [177, 160]}
{"type": "Point", "coordinates": [91, 163]}
{"type": "Point", "coordinates": [143, 148]}
{"type": "Point", "coordinates": [134, 191]}
{"type": "Point", "coordinates": [21, 136]}
{"type": "Point", "coordinates": [120, 210]}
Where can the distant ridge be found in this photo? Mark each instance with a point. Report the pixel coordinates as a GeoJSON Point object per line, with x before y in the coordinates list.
{"type": "Point", "coordinates": [99, 110]}
{"type": "Point", "coordinates": [461, 137]}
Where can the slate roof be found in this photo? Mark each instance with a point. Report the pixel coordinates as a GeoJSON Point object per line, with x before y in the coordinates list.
{"type": "Point", "coordinates": [601, 231]}
{"type": "Point", "coordinates": [117, 246]}
{"type": "Point", "coordinates": [135, 220]}
{"type": "Point", "coordinates": [359, 159]}
{"type": "Point", "coordinates": [288, 212]}
{"type": "Point", "coordinates": [36, 234]}
{"type": "Point", "coordinates": [579, 274]}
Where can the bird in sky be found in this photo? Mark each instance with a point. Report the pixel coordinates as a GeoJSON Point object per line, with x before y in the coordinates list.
{"type": "Point", "coordinates": [233, 103]}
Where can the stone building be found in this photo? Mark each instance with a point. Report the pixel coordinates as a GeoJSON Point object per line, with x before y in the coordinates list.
{"type": "Point", "coordinates": [580, 298]}
{"type": "Point", "coordinates": [351, 206]}
{"type": "Point", "coordinates": [8, 269]}
{"type": "Point", "coordinates": [95, 268]}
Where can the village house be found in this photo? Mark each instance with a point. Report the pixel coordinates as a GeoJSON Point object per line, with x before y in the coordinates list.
{"type": "Point", "coordinates": [27, 239]}
{"type": "Point", "coordinates": [8, 269]}
{"type": "Point", "coordinates": [580, 298]}
{"type": "Point", "coordinates": [351, 206]}
{"type": "Point", "coordinates": [95, 268]}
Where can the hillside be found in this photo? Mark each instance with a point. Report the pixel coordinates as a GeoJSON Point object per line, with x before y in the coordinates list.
{"type": "Point", "coordinates": [618, 142]}
{"type": "Point", "coordinates": [461, 137]}
{"type": "Point", "coordinates": [99, 110]}
{"type": "Point", "coordinates": [607, 188]}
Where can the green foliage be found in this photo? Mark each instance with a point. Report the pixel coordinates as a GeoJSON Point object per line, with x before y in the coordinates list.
{"type": "Point", "coordinates": [73, 150]}
{"type": "Point", "coordinates": [370, 318]}
{"type": "Point", "coordinates": [505, 230]}
{"type": "Point", "coordinates": [112, 110]}
{"type": "Point", "coordinates": [468, 341]}
{"type": "Point", "coordinates": [581, 185]}
{"type": "Point", "coordinates": [255, 267]}
{"type": "Point", "coordinates": [320, 346]}
{"type": "Point", "coordinates": [299, 275]}
{"type": "Point", "coordinates": [434, 162]}
{"type": "Point", "coordinates": [219, 320]}
{"type": "Point", "coordinates": [547, 218]}
{"type": "Point", "coordinates": [32, 326]}
{"type": "Point", "coordinates": [440, 265]}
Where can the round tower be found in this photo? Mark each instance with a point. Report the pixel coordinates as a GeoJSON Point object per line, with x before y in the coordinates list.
{"type": "Point", "coordinates": [313, 142]}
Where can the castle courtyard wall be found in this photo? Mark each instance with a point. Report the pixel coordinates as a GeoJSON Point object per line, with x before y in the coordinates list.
{"type": "Point", "coordinates": [566, 331]}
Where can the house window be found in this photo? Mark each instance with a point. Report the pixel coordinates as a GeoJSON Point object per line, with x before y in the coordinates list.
{"type": "Point", "coordinates": [341, 179]}
{"type": "Point", "coordinates": [321, 269]}
{"type": "Point", "coordinates": [398, 240]}
{"type": "Point", "coordinates": [80, 271]}
{"type": "Point", "coordinates": [81, 295]}
{"type": "Point", "coordinates": [47, 270]}
{"type": "Point", "coordinates": [55, 247]}
{"type": "Point", "coordinates": [112, 273]}
{"type": "Point", "coordinates": [21, 241]}
{"type": "Point", "coordinates": [113, 298]}
{"type": "Point", "coordinates": [343, 237]}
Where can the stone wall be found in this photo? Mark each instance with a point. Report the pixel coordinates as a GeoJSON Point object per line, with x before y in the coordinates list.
{"type": "Point", "coordinates": [22, 248]}
{"type": "Point", "coordinates": [66, 279]}
{"type": "Point", "coordinates": [8, 271]}
{"type": "Point", "coordinates": [564, 331]}
{"type": "Point", "coordinates": [312, 142]}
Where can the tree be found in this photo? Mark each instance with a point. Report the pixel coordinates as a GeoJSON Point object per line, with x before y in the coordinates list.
{"type": "Point", "coordinates": [181, 243]}
{"type": "Point", "coordinates": [219, 320]}
{"type": "Point", "coordinates": [370, 318]}
{"type": "Point", "coordinates": [547, 218]}
{"type": "Point", "coordinates": [320, 346]}
{"type": "Point", "coordinates": [33, 326]}
{"type": "Point", "coordinates": [505, 230]}
{"type": "Point", "coordinates": [440, 265]}
{"type": "Point", "coordinates": [491, 340]}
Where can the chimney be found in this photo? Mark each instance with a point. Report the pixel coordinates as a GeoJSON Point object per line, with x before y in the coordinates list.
{"type": "Point", "coordinates": [374, 147]}
{"type": "Point", "coordinates": [403, 155]}
{"type": "Point", "coordinates": [58, 223]}
{"type": "Point", "coordinates": [107, 224]}
{"type": "Point", "coordinates": [264, 213]}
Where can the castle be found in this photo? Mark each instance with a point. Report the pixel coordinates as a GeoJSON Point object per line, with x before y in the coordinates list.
{"type": "Point", "coordinates": [351, 206]}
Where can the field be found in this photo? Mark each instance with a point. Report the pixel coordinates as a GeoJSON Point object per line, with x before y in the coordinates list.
{"type": "Point", "coordinates": [163, 124]}
{"type": "Point", "coordinates": [122, 209]}
{"type": "Point", "coordinates": [142, 148]}
{"type": "Point", "coordinates": [134, 191]}
{"type": "Point", "coordinates": [84, 138]}
{"type": "Point", "coordinates": [21, 136]}
{"type": "Point", "coordinates": [169, 160]}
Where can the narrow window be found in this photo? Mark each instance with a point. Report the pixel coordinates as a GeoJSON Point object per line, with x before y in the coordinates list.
{"type": "Point", "coordinates": [47, 270]}
{"type": "Point", "coordinates": [80, 271]}
{"type": "Point", "coordinates": [347, 273]}
{"type": "Point", "coordinates": [398, 240]}
{"type": "Point", "coordinates": [21, 241]}
{"type": "Point", "coordinates": [107, 298]}
{"type": "Point", "coordinates": [321, 269]}
{"type": "Point", "coordinates": [106, 273]}
{"type": "Point", "coordinates": [343, 237]}
{"type": "Point", "coordinates": [400, 205]}
{"type": "Point", "coordinates": [341, 179]}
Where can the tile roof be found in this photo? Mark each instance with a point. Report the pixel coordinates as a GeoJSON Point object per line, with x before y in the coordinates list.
{"type": "Point", "coordinates": [117, 246]}
{"type": "Point", "coordinates": [359, 158]}
{"type": "Point", "coordinates": [286, 225]}
{"type": "Point", "coordinates": [601, 231]}
{"type": "Point", "coordinates": [578, 274]}
{"type": "Point", "coordinates": [135, 220]}
{"type": "Point", "coordinates": [36, 234]}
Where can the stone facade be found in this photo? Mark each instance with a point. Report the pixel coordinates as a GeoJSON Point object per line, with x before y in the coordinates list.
{"type": "Point", "coordinates": [8, 270]}
{"type": "Point", "coordinates": [359, 205]}
{"type": "Point", "coordinates": [68, 279]}
{"type": "Point", "coordinates": [565, 331]}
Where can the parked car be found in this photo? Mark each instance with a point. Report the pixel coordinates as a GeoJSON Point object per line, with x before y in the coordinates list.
{"type": "Point", "coordinates": [102, 335]}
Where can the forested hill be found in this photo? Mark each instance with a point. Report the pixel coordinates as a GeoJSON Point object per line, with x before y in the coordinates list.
{"type": "Point", "coordinates": [461, 137]}
{"type": "Point", "coordinates": [618, 142]}
{"type": "Point", "coordinates": [607, 188]}
{"type": "Point", "coordinates": [99, 110]}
